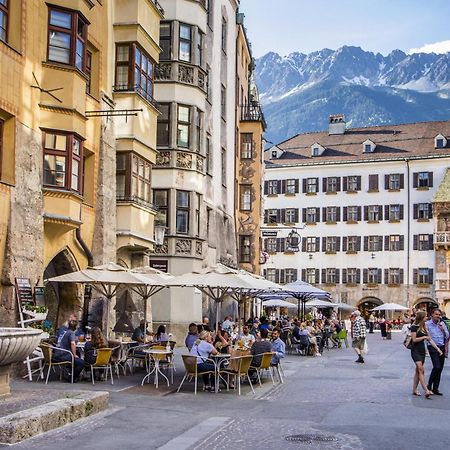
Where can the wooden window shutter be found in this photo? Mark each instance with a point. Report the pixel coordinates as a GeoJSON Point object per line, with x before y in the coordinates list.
{"type": "Point", "coordinates": [278, 216]}
{"type": "Point", "coordinates": [324, 276]}
{"type": "Point", "coordinates": [386, 243]}
{"type": "Point", "coordinates": [277, 276]}
{"type": "Point", "coordinates": [415, 179]}
{"type": "Point", "coordinates": [359, 213]}
{"type": "Point", "coordinates": [304, 185]}
{"type": "Point", "coordinates": [317, 244]}
{"type": "Point", "coordinates": [373, 182]}
{"type": "Point", "coordinates": [303, 244]}
{"type": "Point", "coordinates": [415, 211]}
{"type": "Point", "coordinates": [379, 275]}
{"type": "Point", "coordinates": [283, 187]}
{"type": "Point", "coordinates": [338, 277]}
{"type": "Point", "coordinates": [338, 213]}
{"type": "Point", "coordinates": [366, 243]}
{"type": "Point", "coordinates": [345, 184]}
{"type": "Point", "coordinates": [338, 243]}
{"type": "Point", "coordinates": [430, 211]}
{"type": "Point", "coordinates": [304, 215]}
{"type": "Point", "coordinates": [283, 215]}
{"type": "Point", "coordinates": [366, 213]}
{"type": "Point", "coordinates": [317, 214]}
{"type": "Point", "coordinates": [401, 276]}
{"type": "Point", "coordinates": [358, 183]}
{"type": "Point", "coordinates": [303, 274]}
{"type": "Point", "coordinates": [402, 242]}
{"type": "Point", "coordinates": [415, 276]}
{"type": "Point", "coordinates": [338, 184]}
{"type": "Point", "coordinates": [265, 244]}
{"type": "Point", "coordinates": [295, 275]}
{"type": "Point", "coordinates": [380, 212]}
{"type": "Point", "coordinates": [386, 181]}
{"type": "Point", "coordinates": [316, 277]}
{"type": "Point", "coordinates": [365, 276]}
{"type": "Point", "coordinates": [386, 276]}
{"type": "Point", "coordinates": [324, 243]}
{"type": "Point", "coordinates": [266, 216]}
{"type": "Point", "coordinates": [278, 186]}
{"type": "Point", "coordinates": [324, 214]}
{"type": "Point", "coordinates": [358, 243]}
{"type": "Point", "coordinates": [358, 276]}
{"type": "Point", "coordinates": [430, 276]}
{"type": "Point", "coordinates": [386, 212]}
{"type": "Point", "coordinates": [430, 242]}
{"type": "Point", "coordinates": [282, 244]}
{"type": "Point", "coordinates": [296, 186]}
{"type": "Point", "coordinates": [266, 187]}
{"type": "Point", "coordinates": [265, 273]}
{"type": "Point", "coordinates": [430, 179]}
{"type": "Point", "coordinates": [402, 181]}
{"type": "Point", "coordinates": [401, 212]}
{"type": "Point", "coordinates": [344, 214]}
{"type": "Point", "coordinates": [344, 244]}
{"type": "Point", "coordinates": [344, 276]}
{"type": "Point", "coordinates": [324, 185]}
{"type": "Point", "coordinates": [278, 244]}
{"type": "Point", "coordinates": [282, 276]}
{"type": "Point", "coordinates": [296, 215]}
{"type": "Point", "coordinates": [416, 242]}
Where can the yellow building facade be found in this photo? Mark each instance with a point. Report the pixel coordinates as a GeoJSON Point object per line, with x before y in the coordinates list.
{"type": "Point", "coordinates": [76, 111]}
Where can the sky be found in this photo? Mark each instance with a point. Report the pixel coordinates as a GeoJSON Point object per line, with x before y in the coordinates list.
{"type": "Point", "coordinates": [286, 26]}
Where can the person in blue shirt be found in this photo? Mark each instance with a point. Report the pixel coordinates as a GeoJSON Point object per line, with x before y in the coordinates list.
{"type": "Point", "coordinates": [278, 346]}
{"type": "Point", "coordinates": [439, 334]}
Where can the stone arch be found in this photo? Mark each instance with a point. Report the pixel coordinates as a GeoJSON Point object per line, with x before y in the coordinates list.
{"type": "Point", "coordinates": [367, 303]}
{"type": "Point", "coordinates": [425, 303]}
{"type": "Point", "coordinates": [61, 299]}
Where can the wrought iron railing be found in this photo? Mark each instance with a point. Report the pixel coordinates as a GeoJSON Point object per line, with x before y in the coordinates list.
{"type": "Point", "coordinates": [252, 112]}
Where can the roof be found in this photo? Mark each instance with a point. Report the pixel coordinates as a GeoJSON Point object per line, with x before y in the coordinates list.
{"type": "Point", "coordinates": [392, 142]}
{"type": "Point", "coordinates": [443, 191]}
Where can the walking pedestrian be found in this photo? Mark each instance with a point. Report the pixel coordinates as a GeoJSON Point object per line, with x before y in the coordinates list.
{"type": "Point", "coordinates": [419, 335]}
{"type": "Point", "coordinates": [371, 322]}
{"type": "Point", "coordinates": [438, 335]}
{"type": "Point", "coordinates": [358, 334]}
{"type": "Point", "coordinates": [383, 327]}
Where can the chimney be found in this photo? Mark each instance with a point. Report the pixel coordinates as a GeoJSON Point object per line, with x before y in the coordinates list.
{"type": "Point", "coordinates": [337, 124]}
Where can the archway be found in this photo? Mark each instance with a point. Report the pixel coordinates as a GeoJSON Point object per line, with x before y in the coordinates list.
{"type": "Point", "coordinates": [61, 299]}
{"type": "Point", "coordinates": [368, 303]}
{"type": "Point", "coordinates": [425, 304]}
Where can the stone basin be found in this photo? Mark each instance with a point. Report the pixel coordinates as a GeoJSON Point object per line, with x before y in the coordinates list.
{"type": "Point", "coordinates": [15, 345]}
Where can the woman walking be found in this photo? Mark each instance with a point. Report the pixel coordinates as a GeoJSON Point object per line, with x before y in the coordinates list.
{"type": "Point", "coordinates": [419, 334]}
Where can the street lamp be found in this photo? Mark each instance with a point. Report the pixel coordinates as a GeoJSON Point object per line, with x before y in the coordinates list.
{"type": "Point", "coordinates": [159, 228]}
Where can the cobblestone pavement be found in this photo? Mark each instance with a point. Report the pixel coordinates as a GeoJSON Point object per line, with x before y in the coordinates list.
{"type": "Point", "coordinates": [327, 402]}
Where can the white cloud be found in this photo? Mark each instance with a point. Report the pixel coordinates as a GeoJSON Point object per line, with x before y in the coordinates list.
{"type": "Point", "coordinates": [437, 47]}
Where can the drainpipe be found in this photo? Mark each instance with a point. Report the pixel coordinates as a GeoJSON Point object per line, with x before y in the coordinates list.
{"type": "Point", "coordinates": [408, 230]}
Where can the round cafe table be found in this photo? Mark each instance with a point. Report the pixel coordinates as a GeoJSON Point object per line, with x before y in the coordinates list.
{"type": "Point", "coordinates": [157, 355]}
{"type": "Point", "coordinates": [218, 360]}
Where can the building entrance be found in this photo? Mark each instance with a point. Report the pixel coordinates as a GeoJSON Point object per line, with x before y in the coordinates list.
{"type": "Point", "coordinates": [426, 304]}
{"type": "Point", "coordinates": [368, 303]}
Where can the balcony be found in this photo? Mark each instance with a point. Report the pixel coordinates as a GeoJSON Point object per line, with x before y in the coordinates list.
{"type": "Point", "coordinates": [168, 159]}
{"type": "Point", "coordinates": [252, 112]}
{"type": "Point", "coordinates": [126, 88]}
{"type": "Point", "coordinates": [442, 238]}
{"type": "Point", "coordinates": [177, 72]}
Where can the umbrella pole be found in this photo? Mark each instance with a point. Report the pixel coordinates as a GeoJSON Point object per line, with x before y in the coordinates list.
{"type": "Point", "coordinates": [217, 316]}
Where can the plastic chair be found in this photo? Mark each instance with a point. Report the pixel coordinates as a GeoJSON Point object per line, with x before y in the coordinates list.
{"type": "Point", "coordinates": [135, 355]}
{"type": "Point", "coordinates": [190, 365]}
{"type": "Point", "coordinates": [103, 362]}
{"type": "Point", "coordinates": [266, 362]}
{"type": "Point", "coordinates": [47, 352]}
{"type": "Point", "coordinates": [342, 337]}
{"type": "Point", "coordinates": [238, 367]}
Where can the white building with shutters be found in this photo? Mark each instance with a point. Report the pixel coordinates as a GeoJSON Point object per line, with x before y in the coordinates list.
{"type": "Point", "coordinates": [362, 202]}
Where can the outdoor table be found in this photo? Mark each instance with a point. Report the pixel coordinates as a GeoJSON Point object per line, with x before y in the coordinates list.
{"type": "Point", "coordinates": [218, 360]}
{"type": "Point", "coordinates": [124, 346]}
{"type": "Point", "coordinates": [156, 368]}
{"type": "Point", "coordinates": [80, 346]}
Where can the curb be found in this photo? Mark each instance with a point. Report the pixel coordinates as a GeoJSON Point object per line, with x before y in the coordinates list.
{"type": "Point", "coordinates": [24, 424]}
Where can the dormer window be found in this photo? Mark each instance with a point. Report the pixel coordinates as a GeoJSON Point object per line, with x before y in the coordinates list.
{"type": "Point", "coordinates": [440, 141]}
{"type": "Point", "coordinates": [317, 149]}
{"type": "Point", "coordinates": [368, 146]}
{"type": "Point", "coordinates": [274, 153]}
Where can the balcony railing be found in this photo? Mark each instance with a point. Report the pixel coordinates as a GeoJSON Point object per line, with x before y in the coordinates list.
{"type": "Point", "coordinates": [158, 6]}
{"type": "Point", "coordinates": [175, 71]}
{"type": "Point", "coordinates": [442, 238]}
{"type": "Point", "coordinates": [252, 112]}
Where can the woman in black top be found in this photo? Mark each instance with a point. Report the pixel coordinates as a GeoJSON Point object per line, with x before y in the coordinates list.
{"type": "Point", "coordinates": [90, 349]}
{"type": "Point", "coordinates": [419, 334]}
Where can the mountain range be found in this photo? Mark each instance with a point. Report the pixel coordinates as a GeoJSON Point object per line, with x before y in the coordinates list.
{"type": "Point", "coordinates": [298, 92]}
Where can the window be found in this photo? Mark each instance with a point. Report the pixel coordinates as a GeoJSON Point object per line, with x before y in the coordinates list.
{"type": "Point", "coordinates": [63, 155]}
{"type": "Point", "coordinates": [423, 242]}
{"type": "Point", "coordinates": [375, 243]}
{"type": "Point", "coordinates": [352, 244]}
{"type": "Point", "coordinates": [244, 249]}
{"type": "Point", "coordinates": [4, 11]}
{"type": "Point", "coordinates": [198, 130]}
{"type": "Point", "coordinates": [198, 204]}
{"type": "Point", "coordinates": [352, 214]}
{"type": "Point", "coordinates": [182, 212]}
{"type": "Point", "coordinates": [373, 276]}
{"type": "Point", "coordinates": [311, 215]}
{"type": "Point", "coordinates": [224, 34]}
{"type": "Point", "coordinates": [395, 213]}
{"type": "Point", "coordinates": [331, 244]}
{"type": "Point", "coordinates": [311, 276]}
{"type": "Point", "coordinates": [353, 183]}
{"type": "Point", "coordinates": [161, 200]}
{"type": "Point", "coordinates": [210, 13]}
{"type": "Point", "coordinates": [224, 166]}
{"type": "Point", "coordinates": [332, 184]}
{"type": "Point", "coordinates": [311, 185]}
{"type": "Point", "coordinates": [88, 71]}
{"type": "Point", "coordinates": [273, 187]}
{"type": "Point", "coordinates": [423, 180]}
{"type": "Point", "coordinates": [394, 181]}
{"type": "Point", "coordinates": [274, 154]}
{"type": "Point", "coordinates": [134, 70]}
{"type": "Point", "coordinates": [291, 215]}
{"type": "Point", "coordinates": [208, 155]}
{"type": "Point", "coordinates": [67, 36]}
{"type": "Point", "coordinates": [290, 275]}
{"type": "Point", "coordinates": [183, 125]}
{"type": "Point", "coordinates": [246, 145]}
{"type": "Point", "coordinates": [422, 211]}
{"type": "Point", "coordinates": [373, 183]}
{"type": "Point", "coordinates": [331, 214]}
{"type": "Point", "coordinates": [199, 56]}
{"type": "Point", "coordinates": [165, 41]}
{"type": "Point", "coordinates": [394, 276]}
{"type": "Point", "coordinates": [245, 203]}
{"type": "Point", "coordinates": [271, 245]}
{"type": "Point", "coordinates": [316, 151]}
{"type": "Point", "coordinates": [394, 243]}
{"type": "Point", "coordinates": [367, 148]}
{"type": "Point", "coordinates": [423, 275]}
{"type": "Point", "coordinates": [185, 44]}
{"type": "Point", "coordinates": [439, 143]}
{"type": "Point", "coordinates": [273, 215]}
{"type": "Point", "coordinates": [374, 213]}
{"type": "Point", "coordinates": [311, 245]}
{"type": "Point", "coordinates": [291, 186]}
{"type": "Point", "coordinates": [330, 276]}
{"type": "Point", "coordinates": [223, 101]}
{"type": "Point", "coordinates": [352, 276]}
{"type": "Point", "coordinates": [271, 275]}
{"type": "Point", "coordinates": [163, 126]}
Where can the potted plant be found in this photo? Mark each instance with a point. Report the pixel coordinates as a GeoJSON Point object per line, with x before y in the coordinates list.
{"type": "Point", "coordinates": [36, 312]}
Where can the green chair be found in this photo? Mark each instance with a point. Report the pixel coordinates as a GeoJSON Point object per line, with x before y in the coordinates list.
{"type": "Point", "coordinates": [342, 337]}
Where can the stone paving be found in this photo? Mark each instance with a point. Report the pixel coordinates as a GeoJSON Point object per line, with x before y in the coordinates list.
{"type": "Point", "coordinates": [327, 402]}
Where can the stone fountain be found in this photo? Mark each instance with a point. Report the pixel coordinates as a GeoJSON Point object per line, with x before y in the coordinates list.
{"type": "Point", "coordinates": [15, 345]}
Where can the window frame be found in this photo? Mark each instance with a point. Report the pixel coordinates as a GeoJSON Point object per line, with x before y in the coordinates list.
{"type": "Point", "coordinates": [183, 124]}
{"type": "Point", "coordinates": [289, 215]}
{"type": "Point", "coordinates": [394, 276]}
{"type": "Point", "coordinates": [271, 245]}
{"type": "Point", "coordinates": [372, 275]}
{"type": "Point", "coordinates": [311, 213]}
{"type": "Point", "coordinates": [163, 121]}
{"type": "Point", "coordinates": [330, 275]}
{"type": "Point", "coordinates": [394, 183]}
{"type": "Point", "coordinates": [423, 211]}
{"type": "Point", "coordinates": [352, 211]}
{"type": "Point", "coordinates": [272, 187]}
{"type": "Point", "coordinates": [395, 212]}
{"type": "Point", "coordinates": [245, 249]}
{"type": "Point", "coordinates": [311, 275]}
{"type": "Point", "coordinates": [312, 185]}
{"type": "Point", "coordinates": [245, 197]}
{"type": "Point", "coordinates": [271, 274]}
{"type": "Point", "coordinates": [352, 244]}
{"type": "Point", "coordinates": [352, 275]}
{"type": "Point", "coordinates": [311, 244]}
{"type": "Point", "coordinates": [330, 244]}
{"type": "Point", "coordinates": [352, 183]}
{"type": "Point", "coordinates": [184, 40]}
{"type": "Point", "coordinates": [163, 209]}
{"type": "Point", "coordinates": [423, 177]}
{"type": "Point", "coordinates": [332, 184]}
{"type": "Point", "coordinates": [394, 242]}
{"type": "Point", "coordinates": [423, 278]}
{"type": "Point", "coordinates": [4, 10]}
{"type": "Point", "coordinates": [165, 38]}
{"type": "Point", "coordinates": [246, 145]}
{"type": "Point", "coordinates": [373, 213]}
{"type": "Point", "coordinates": [182, 208]}
{"type": "Point", "coordinates": [374, 243]}
{"type": "Point", "coordinates": [331, 214]}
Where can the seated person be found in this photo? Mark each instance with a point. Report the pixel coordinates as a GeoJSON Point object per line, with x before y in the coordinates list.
{"type": "Point", "coordinates": [67, 341]}
{"type": "Point", "coordinates": [228, 325]}
{"type": "Point", "coordinates": [255, 328]}
{"type": "Point", "coordinates": [90, 349]}
{"type": "Point", "coordinates": [223, 342]}
{"type": "Point", "coordinates": [203, 348]}
{"type": "Point", "coordinates": [192, 336]}
{"type": "Point", "coordinates": [278, 346]}
{"type": "Point", "coordinates": [261, 346]}
{"type": "Point", "coordinates": [246, 338]}
{"type": "Point", "coordinates": [312, 334]}
{"type": "Point", "coordinates": [140, 333]}
{"type": "Point", "coordinates": [161, 335]}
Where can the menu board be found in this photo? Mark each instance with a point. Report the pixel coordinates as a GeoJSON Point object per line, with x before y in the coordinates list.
{"type": "Point", "coordinates": [24, 291]}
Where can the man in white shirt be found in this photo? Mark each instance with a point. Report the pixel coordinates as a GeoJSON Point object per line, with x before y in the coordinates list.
{"type": "Point", "coordinates": [247, 338]}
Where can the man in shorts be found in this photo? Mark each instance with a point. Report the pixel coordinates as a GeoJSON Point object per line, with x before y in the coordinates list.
{"type": "Point", "coordinates": [358, 334]}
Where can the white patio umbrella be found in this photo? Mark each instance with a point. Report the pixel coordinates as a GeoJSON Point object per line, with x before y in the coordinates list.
{"type": "Point", "coordinates": [390, 307]}
{"type": "Point", "coordinates": [344, 306]}
{"type": "Point", "coordinates": [278, 304]}
{"type": "Point", "coordinates": [317, 303]}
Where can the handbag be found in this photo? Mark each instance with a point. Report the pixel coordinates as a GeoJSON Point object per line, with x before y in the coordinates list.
{"type": "Point", "coordinates": [408, 342]}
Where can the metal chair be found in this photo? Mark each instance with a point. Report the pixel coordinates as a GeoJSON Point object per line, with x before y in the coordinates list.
{"type": "Point", "coordinates": [47, 351]}
{"type": "Point", "coordinates": [103, 362]}
{"type": "Point", "coordinates": [190, 365]}
{"type": "Point", "coordinates": [266, 362]}
{"type": "Point", "coordinates": [238, 367]}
